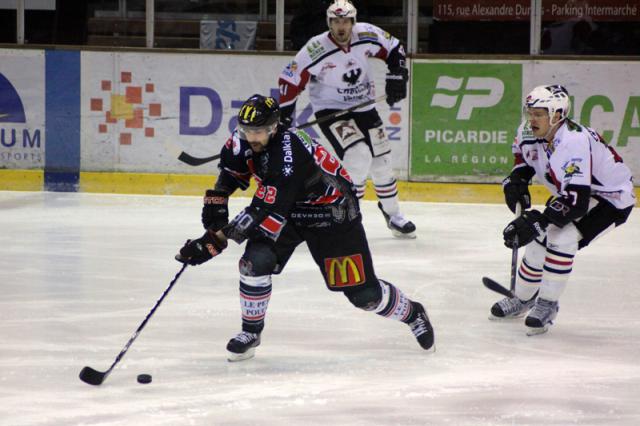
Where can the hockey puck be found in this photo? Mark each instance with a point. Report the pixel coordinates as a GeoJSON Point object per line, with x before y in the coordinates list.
{"type": "Point", "coordinates": [144, 378]}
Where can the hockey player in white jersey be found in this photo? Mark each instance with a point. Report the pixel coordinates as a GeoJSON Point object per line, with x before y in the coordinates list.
{"type": "Point", "coordinates": [592, 192]}
{"type": "Point", "coordinates": [335, 66]}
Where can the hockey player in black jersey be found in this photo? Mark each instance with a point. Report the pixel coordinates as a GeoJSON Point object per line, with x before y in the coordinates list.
{"type": "Point", "coordinates": [304, 195]}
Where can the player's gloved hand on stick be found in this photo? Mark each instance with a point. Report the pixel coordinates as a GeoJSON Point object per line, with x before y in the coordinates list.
{"type": "Point", "coordinates": [196, 252]}
{"type": "Point", "coordinates": [396, 85]}
{"type": "Point", "coordinates": [215, 211]}
{"type": "Point", "coordinates": [516, 190]}
{"type": "Point", "coordinates": [525, 229]}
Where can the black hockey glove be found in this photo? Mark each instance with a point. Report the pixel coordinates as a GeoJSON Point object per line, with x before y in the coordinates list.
{"type": "Point", "coordinates": [396, 85]}
{"type": "Point", "coordinates": [215, 211]}
{"type": "Point", "coordinates": [525, 229]}
{"type": "Point", "coordinates": [196, 252]}
{"type": "Point", "coordinates": [516, 190]}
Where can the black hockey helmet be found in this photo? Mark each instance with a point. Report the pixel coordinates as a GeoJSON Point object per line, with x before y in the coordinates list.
{"type": "Point", "coordinates": [259, 112]}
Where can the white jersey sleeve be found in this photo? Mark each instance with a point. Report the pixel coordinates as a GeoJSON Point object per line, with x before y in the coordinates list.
{"type": "Point", "coordinates": [580, 157]}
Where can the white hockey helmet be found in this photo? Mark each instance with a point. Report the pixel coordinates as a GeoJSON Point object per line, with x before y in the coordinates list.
{"type": "Point", "coordinates": [554, 98]}
{"type": "Point", "coordinates": [341, 9]}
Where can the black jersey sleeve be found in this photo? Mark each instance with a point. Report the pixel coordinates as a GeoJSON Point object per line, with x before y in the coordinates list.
{"type": "Point", "coordinates": [233, 169]}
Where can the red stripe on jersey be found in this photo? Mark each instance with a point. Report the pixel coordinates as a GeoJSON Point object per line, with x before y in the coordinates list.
{"type": "Point", "coordinates": [382, 53]}
{"type": "Point", "coordinates": [245, 177]}
{"type": "Point", "coordinates": [518, 159]}
{"type": "Point", "coordinates": [326, 199]}
{"type": "Point", "coordinates": [271, 224]}
{"type": "Point", "coordinates": [556, 182]}
{"type": "Point", "coordinates": [290, 91]}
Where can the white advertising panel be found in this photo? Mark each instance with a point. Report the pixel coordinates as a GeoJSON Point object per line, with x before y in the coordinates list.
{"type": "Point", "coordinates": [22, 104]}
{"type": "Point", "coordinates": [140, 111]}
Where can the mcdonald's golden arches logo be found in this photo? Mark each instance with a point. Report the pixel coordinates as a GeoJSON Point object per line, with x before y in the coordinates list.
{"type": "Point", "coordinates": [345, 271]}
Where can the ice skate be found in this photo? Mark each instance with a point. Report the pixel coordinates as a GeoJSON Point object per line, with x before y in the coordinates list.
{"type": "Point", "coordinates": [400, 227]}
{"type": "Point", "coordinates": [421, 327]}
{"type": "Point", "coordinates": [511, 308]}
{"type": "Point", "coordinates": [541, 317]}
{"type": "Point", "coordinates": [243, 346]}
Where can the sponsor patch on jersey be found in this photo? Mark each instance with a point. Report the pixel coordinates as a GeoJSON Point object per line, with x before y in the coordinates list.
{"type": "Point", "coordinates": [368, 35]}
{"type": "Point", "coordinates": [346, 132]}
{"type": "Point", "coordinates": [306, 139]}
{"type": "Point", "coordinates": [345, 271]}
{"type": "Point", "coordinates": [315, 49]}
{"type": "Point", "coordinates": [328, 66]}
{"type": "Point", "coordinates": [571, 168]}
{"type": "Point", "coordinates": [235, 143]}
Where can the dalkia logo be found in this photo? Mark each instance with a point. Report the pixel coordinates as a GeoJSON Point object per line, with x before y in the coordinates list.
{"type": "Point", "coordinates": [11, 108]}
{"type": "Point", "coordinates": [126, 111]}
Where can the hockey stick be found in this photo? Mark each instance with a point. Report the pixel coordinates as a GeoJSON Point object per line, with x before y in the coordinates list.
{"type": "Point", "coordinates": [196, 161]}
{"type": "Point", "coordinates": [342, 112]}
{"type": "Point", "coordinates": [94, 377]}
{"type": "Point", "coordinates": [493, 285]}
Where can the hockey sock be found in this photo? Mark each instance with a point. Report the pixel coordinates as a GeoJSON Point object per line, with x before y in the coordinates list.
{"type": "Point", "coordinates": [255, 293]}
{"type": "Point", "coordinates": [360, 190]}
{"type": "Point", "coordinates": [557, 268]}
{"type": "Point", "coordinates": [394, 303]}
{"type": "Point", "coordinates": [528, 280]}
{"type": "Point", "coordinates": [388, 196]}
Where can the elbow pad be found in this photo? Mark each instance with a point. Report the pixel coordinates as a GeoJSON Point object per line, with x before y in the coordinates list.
{"type": "Point", "coordinates": [562, 210]}
{"type": "Point", "coordinates": [254, 224]}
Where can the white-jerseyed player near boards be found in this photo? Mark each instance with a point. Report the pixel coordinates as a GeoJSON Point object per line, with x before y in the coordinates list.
{"type": "Point", "coordinates": [592, 192]}
{"type": "Point", "coordinates": [335, 66]}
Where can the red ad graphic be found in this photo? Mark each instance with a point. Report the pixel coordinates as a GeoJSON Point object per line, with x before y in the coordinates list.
{"type": "Point", "coordinates": [129, 108]}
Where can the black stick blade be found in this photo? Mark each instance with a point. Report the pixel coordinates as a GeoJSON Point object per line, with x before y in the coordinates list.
{"type": "Point", "coordinates": [494, 286]}
{"type": "Point", "coordinates": [195, 161]}
{"type": "Point", "coordinates": [91, 376]}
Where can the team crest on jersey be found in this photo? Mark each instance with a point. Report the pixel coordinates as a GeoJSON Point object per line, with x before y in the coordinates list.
{"type": "Point", "coordinates": [352, 76]}
{"type": "Point", "coordinates": [532, 155]}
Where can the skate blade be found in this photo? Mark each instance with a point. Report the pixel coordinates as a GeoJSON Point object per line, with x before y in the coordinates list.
{"type": "Point", "coordinates": [534, 331]}
{"type": "Point", "coordinates": [505, 319]}
{"type": "Point", "coordinates": [234, 357]}
{"type": "Point", "coordinates": [401, 236]}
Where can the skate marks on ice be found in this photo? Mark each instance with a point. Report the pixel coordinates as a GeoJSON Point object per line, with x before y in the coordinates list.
{"type": "Point", "coordinates": [78, 272]}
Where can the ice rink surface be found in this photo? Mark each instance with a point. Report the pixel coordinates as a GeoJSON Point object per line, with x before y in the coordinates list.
{"type": "Point", "coordinates": [79, 273]}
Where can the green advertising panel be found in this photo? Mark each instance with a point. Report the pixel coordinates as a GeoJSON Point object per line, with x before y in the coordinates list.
{"type": "Point", "coordinates": [464, 117]}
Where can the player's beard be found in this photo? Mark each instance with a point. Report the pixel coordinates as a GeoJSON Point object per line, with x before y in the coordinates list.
{"type": "Point", "coordinates": [342, 37]}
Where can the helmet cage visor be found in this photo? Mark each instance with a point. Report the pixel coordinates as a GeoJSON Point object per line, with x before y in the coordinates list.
{"type": "Point", "coordinates": [245, 130]}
